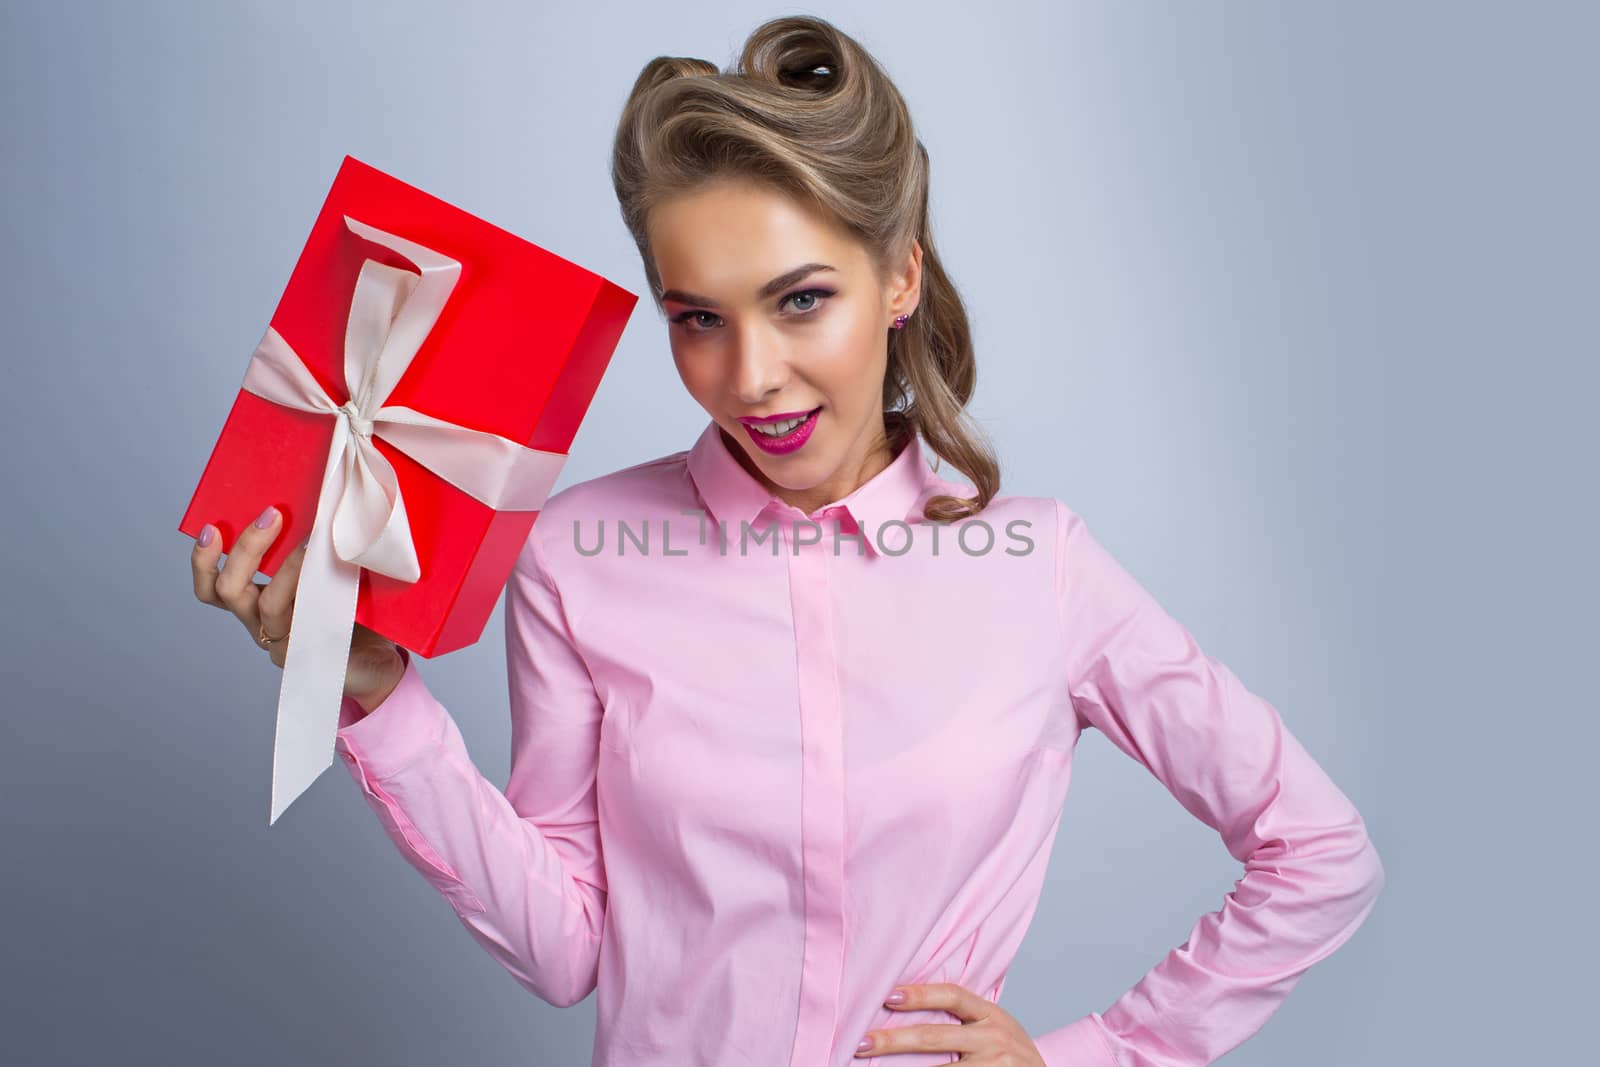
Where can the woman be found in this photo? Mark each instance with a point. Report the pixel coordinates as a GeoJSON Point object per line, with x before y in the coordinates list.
{"type": "Point", "coordinates": [779, 748]}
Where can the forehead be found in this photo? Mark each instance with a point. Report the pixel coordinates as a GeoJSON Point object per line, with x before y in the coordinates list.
{"type": "Point", "coordinates": [729, 238]}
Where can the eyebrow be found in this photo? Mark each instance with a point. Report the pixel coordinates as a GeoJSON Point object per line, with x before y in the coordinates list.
{"type": "Point", "coordinates": [782, 281]}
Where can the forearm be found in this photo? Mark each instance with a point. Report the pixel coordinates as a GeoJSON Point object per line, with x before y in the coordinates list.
{"type": "Point", "coordinates": [505, 881]}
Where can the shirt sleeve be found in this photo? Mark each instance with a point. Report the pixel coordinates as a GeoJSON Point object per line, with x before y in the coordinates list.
{"type": "Point", "coordinates": [1311, 874]}
{"type": "Point", "coordinates": [522, 868]}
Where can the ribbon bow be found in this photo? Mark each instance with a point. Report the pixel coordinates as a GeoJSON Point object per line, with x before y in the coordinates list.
{"type": "Point", "coordinates": [360, 519]}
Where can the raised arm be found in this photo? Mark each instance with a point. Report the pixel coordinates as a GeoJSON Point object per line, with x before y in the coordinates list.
{"type": "Point", "coordinates": [1311, 874]}
{"type": "Point", "coordinates": [521, 868]}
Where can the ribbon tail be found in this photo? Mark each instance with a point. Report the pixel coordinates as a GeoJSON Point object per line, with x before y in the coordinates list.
{"type": "Point", "coordinates": [318, 653]}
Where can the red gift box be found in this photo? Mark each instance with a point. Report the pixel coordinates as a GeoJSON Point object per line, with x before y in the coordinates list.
{"type": "Point", "coordinates": [517, 350]}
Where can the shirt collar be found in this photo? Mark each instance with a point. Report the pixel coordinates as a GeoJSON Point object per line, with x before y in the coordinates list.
{"type": "Point", "coordinates": [732, 495]}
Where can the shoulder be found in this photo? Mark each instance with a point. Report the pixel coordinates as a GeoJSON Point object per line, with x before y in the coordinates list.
{"type": "Point", "coordinates": [1025, 525]}
{"type": "Point", "coordinates": [1039, 515]}
{"type": "Point", "coordinates": [1049, 523]}
{"type": "Point", "coordinates": [654, 483]}
{"type": "Point", "coordinates": [653, 487]}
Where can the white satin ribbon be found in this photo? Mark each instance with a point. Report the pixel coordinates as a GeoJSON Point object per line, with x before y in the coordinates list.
{"type": "Point", "coordinates": [360, 519]}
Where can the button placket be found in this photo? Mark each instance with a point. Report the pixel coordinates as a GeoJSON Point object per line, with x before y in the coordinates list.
{"type": "Point", "coordinates": [822, 811]}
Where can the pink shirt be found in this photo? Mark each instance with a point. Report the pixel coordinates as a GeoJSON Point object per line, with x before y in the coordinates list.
{"type": "Point", "coordinates": [753, 790]}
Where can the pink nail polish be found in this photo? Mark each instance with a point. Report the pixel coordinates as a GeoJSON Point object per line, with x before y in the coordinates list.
{"type": "Point", "coordinates": [266, 518]}
{"type": "Point", "coordinates": [897, 997]}
{"type": "Point", "coordinates": [207, 532]}
{"type": "Point", "coordinates": [866, 1043]}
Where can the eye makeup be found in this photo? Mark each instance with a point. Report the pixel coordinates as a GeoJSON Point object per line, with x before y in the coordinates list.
{"type": "Point", "coordinates": [683, 318]}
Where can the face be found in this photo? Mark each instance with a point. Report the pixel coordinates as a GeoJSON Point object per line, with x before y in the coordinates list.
{"type": "Point", "coordinates": [775, 310]}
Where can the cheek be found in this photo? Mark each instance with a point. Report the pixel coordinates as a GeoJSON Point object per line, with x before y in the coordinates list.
{"type": "Point", "coordinates": [849, 358]}
{"type": "Point", "coordinates": [849, 329]}
{"type": "Point", "coordinates": [698, 375]}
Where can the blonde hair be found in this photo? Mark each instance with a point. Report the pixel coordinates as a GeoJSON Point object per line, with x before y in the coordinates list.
{"type": "Point", "coordinates": [808, 112]}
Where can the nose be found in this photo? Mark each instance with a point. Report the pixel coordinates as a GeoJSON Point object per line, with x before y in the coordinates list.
{"type": "Point", "coordinates": [760, 368]}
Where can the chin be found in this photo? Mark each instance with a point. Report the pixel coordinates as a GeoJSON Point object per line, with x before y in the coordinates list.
{"type": "Point", "coordinates": [796, 474]}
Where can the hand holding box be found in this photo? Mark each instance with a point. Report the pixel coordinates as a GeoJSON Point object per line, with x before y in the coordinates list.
{"type": "Point", "coordinates": [409, 409]}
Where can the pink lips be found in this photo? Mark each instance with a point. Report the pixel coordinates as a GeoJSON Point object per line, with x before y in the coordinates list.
{"type": "Point", "coordinates": [790, 441]}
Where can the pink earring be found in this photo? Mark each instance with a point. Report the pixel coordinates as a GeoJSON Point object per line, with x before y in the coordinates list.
{"type": "Point", "coordinates": [900, 321]}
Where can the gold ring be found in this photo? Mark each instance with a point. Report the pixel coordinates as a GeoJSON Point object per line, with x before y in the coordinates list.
{"type": "Point", "coordinates": [265, 641]}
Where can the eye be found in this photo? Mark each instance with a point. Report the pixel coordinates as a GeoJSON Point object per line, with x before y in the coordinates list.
{"type": "Point", "coordinates": [683, 319]}
{"type": "Point", "coordinates": [815, 297]}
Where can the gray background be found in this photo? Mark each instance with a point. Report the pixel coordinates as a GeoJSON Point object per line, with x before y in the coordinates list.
{"type": "Point", "coordinates": [1286, 299]}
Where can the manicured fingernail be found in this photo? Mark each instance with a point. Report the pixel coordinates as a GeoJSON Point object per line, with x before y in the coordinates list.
{"type": "Point", "coordinates": [266, 518]}
{"type": "Point", "coordinates": [207, 532]}
{"type": "Point", "coordinates": [866, 1043]}
{"type": "Point", "coordinates": [897, 997]}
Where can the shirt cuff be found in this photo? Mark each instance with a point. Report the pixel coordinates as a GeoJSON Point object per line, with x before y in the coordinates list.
{"type": "Point", "coordinates": [1081, 1043]}
{"type": "Point", "coordinates": [392, 735]}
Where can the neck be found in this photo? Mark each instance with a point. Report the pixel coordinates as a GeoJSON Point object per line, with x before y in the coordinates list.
{"type": "Point", "coordinates": [861, 466]}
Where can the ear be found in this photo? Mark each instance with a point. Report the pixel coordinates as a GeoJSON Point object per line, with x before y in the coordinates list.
{"type": "Point", "coordinates": [905, 283]}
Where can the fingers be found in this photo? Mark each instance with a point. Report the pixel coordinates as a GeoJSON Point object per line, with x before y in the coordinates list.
{"type": "Point", "coordinates": [275, 605]}
{"type": "Point", "coordinates": [278, 651]}
{"type": "Point", "coordinates": [203, 560]}
{"type": "Point", "coordinates": [235, 586]}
